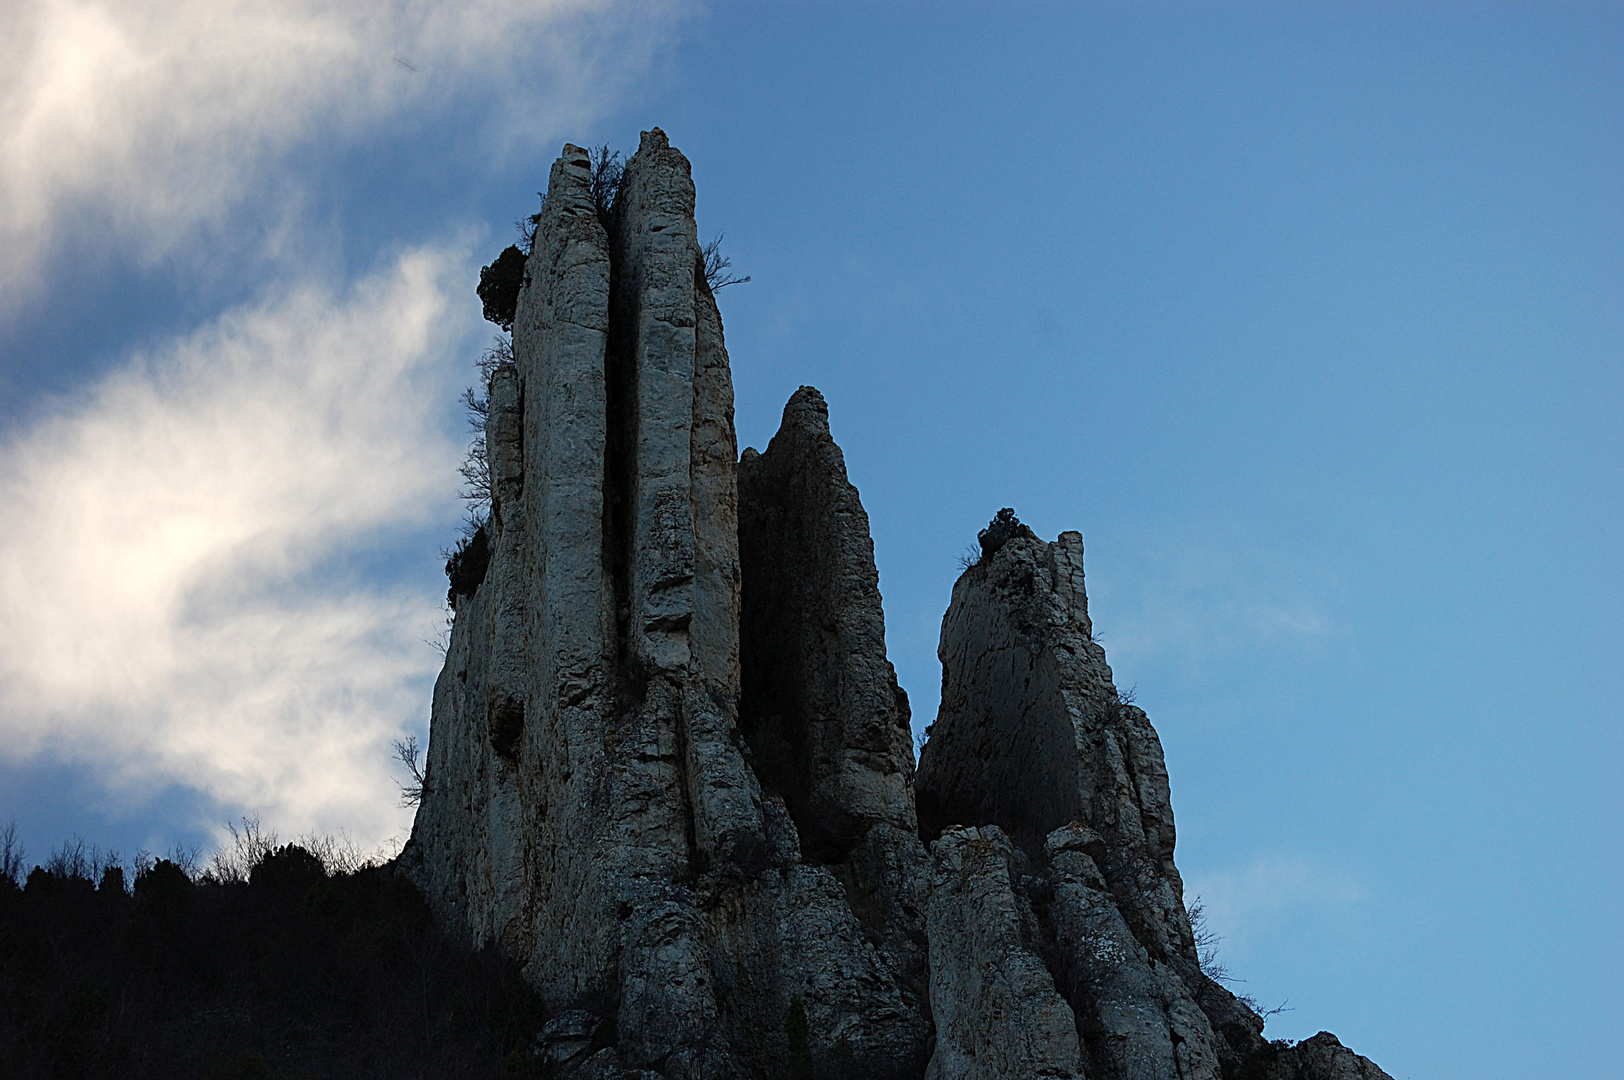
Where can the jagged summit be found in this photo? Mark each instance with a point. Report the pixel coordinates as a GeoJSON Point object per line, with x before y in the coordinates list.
{"type": "Point", "coordinates": [670, 768]}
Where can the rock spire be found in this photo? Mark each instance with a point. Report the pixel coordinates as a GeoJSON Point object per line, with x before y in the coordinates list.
{"type": "Point", "coordinates": [591, 807]}
{"type": "Point", "coordinates": [670, 769]}
{"type": "Point", "coordinates": [1045, 794]}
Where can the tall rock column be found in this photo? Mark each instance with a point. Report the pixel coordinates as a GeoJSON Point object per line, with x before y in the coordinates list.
{"type": "Point", "coordinates": [680, 575]}
{"type": "Point", "coordinates": [590, 807]}
{"type": "Point", "coordinates": [827, 725]}
{"type": "Point", "coordinates": [823, 712]}
{"type": "Point", "coordinates": [1032, 736]}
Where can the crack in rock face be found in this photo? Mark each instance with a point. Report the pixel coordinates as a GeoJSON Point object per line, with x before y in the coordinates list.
{"type": "Point", "coordinates": [670, 769]}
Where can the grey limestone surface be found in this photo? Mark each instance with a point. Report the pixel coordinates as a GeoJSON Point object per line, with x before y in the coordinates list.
{"type": "Point", "coordinates": [670, 769]}
{"type": "Point", "coordinates": [591, 808]}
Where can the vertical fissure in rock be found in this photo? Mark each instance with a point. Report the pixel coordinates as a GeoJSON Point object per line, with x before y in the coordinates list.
{"type": "Point", "coordinates": [772, 722]}
{"type": "Point", "coordinates": [620, 454]}
{"type": "Point", "coordinates": [634, 675]}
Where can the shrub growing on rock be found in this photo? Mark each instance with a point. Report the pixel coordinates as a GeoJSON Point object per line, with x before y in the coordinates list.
{"type": "Point", "coordinates": [465, 565]}
{"type": "Point", "coordinates": [1004, 526]}
{"type": "Point", "coordinates": [499, 285]}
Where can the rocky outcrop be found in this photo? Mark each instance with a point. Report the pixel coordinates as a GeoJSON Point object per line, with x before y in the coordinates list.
{"type": "Point", "coordinates": [590, 807]}
{"type": "Point", "coordinates": [1034, 739]}
{"type": "Point", "coordinates": [1322, 1057]}
{"type": "Point", "coordinates": [670, 768]}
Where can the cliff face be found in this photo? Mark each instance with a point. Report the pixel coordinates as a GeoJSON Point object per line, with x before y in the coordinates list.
{"type": "Point", "coordinates": [670, 768]}
{"type": "Point", "coordinates": [591, 807]}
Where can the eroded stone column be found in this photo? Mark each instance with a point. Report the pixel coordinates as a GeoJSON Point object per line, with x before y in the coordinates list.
{"type": "Point", "coordinates": [1033, 737]}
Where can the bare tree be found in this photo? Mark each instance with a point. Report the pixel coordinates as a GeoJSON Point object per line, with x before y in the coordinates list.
{"type": "Point", "coordinates": [607, 172]}
{"type": "Point", "coordinates": [77, 859]}
{"type": "Point", "coordinates": [476, 466]}
{"type": "Point", "coordinates": [249, 844]}
{"type": "Point", "coordinates": [442, 640]}
{"type": "Point", "coordinates": [188, 857]}
{"type": "Point", "coordinates": [716, 266]}
{"type": "Point", "coordinates": [476, 403]}
{"type": "Point", "coordinates": [338, 854]}
{"type": "Point", "coordinates": [12, 854]}
{"type": "Point", "coordinates": [1206, 948]}
{"type": "Point", "coordinates": [407, 753]}
{"type": "Point", "coordinates": [1206, 943]}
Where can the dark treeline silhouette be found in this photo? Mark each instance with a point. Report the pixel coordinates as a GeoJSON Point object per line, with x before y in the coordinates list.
{"type": "Point", "coordinates": [282, 970]}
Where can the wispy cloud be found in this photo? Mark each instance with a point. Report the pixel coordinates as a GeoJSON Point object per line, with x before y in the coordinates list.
{"type": "Point", "coordinates": [178, 573]}
{"type": "Point", "coordinates": [1240, 902]}
{"type": "Point", "coordinates": [146, 118]}
{"type": "Point", "coordinates": [1212, 596]}
{"type": "Point", "coordinates": [160, 574]}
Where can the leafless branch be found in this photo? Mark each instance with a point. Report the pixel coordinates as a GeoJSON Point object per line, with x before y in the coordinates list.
{"type": "Point", "coordinates": [1206, 943]}
{"type": "Point", "coordinates": [442, 643]}
{"type": "Point", "coordinates": [407, 753]}
{"type": "Point", "coordinates": [12, 854]}
{"type": "Point", "coordinates": [716, 266]}
{"type": "Point", "coordinates": [607, 172]}
{"type": "Point", "coordinates": [249, 844]}
{"type": "Point", "coordinates": [476, 402]}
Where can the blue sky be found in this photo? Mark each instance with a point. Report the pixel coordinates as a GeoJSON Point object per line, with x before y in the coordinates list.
{"type": "Point", "coordinates": [1307, 317]}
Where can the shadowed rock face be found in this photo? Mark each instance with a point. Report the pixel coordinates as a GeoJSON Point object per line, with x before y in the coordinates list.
{"type": "Point", "coordinates": [822, 711]}
{"type": "Point", "coordinates": [1033, 741]}
{"type": "Point", "coordinates": [826, 723]}
{"type": "Point", "coordinates": [670, 768]}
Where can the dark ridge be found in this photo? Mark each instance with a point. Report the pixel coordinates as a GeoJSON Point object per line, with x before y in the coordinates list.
{"type": "Point", "coordinates": [292, 973]}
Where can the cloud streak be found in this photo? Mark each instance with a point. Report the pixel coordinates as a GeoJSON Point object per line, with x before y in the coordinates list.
{"type": "Point", "coordinates": [169, 580]}
{"type": "Point", "coordinates": [1240, 902]}
{"type": "Point", "coordinates": [148, 118]}
{"type": "Point", "coordinates": [205, 576]}
{"type": "Point", "coordinates": [1213, 597]}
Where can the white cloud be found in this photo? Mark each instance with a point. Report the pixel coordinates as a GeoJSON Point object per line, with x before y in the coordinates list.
{"type": "Point", "coordinates": [150, 117]}
{"type": "Point", "coordinates": [163, 623]}
{"type": "Point", "coordinates": [171, 565]}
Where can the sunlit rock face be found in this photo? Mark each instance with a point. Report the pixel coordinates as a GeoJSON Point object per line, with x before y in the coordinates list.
{"type": "Point", "coordinates": [670, 768]}
{"type": "Point", "coordinates": [592, 806]}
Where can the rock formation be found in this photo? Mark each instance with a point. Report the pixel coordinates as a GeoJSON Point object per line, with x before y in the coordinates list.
{"type": "Point", "coordinates": [670, 767]}
{"type": "Point", "coordinates": [591, 807]}
{"type": "Point", "coordinates": [1065, 784]}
